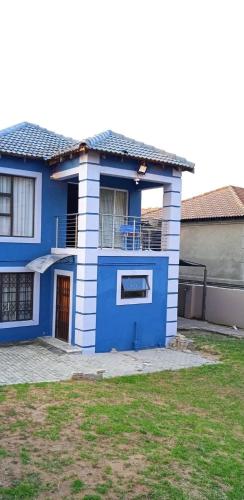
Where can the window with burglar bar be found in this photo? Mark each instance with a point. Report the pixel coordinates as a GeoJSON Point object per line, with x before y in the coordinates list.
{"type": "Point", "coordinates": [16, 296]}
{"type": "Point", "coordinates": [17, 205]}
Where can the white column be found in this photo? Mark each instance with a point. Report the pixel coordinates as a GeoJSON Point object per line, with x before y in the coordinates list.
{"type": "Point", "coordinates": [171, 212]}
{"type": "Point", "coordinates": [87, 257]}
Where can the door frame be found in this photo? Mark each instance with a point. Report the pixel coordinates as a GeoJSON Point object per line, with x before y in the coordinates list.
{"type": "Point", "coordinates": [61, 272]}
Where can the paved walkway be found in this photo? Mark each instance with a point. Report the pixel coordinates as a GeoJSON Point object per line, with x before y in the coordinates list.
{"type": "Point", "coordinates": [195, 324]}
{"type": "Point", "coordinates": [35, 363]}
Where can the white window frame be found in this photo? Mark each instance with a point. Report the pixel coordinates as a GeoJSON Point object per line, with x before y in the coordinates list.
{"type": "Point", "coordinates": [61, 272]}
{"type": "Point", "coordinates": [36, 238]}
{"type": "Point", "coordinates": [138, 300]}
{"type": "Point", "coordinates": [36, 300]}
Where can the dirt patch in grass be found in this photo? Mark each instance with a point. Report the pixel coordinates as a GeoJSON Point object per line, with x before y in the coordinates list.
{"type": "Point", "coordinates": [171, 435]}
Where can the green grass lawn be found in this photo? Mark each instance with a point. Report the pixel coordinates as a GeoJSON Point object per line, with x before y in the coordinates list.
{"type": "Point", "coordinates": [170, 435]}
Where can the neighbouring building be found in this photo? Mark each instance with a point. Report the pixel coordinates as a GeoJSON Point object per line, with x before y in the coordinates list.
{"type": "Point", "coordinates": [212, 233]}
{"type": "Point", "coordinates": [78, 259]}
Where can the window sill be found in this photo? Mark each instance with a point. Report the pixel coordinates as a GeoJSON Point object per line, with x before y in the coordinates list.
{"type": "Point", "coordinates": [18, 324]}
{"type": "Point", "coordinates": [19, 239]}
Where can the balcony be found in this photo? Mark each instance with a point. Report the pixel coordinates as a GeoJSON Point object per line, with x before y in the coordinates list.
{"type": "Point", "coordinates": [116, 232]}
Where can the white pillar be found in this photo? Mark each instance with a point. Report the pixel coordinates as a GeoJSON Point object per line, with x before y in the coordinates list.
{"type": "Point", "coordinates": [87, 256]}
{"type": "Point", "coordinates": [171, 213]}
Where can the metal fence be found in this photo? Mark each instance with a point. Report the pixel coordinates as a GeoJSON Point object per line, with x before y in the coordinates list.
{"type": "Point", "coordinates": [116, 232]}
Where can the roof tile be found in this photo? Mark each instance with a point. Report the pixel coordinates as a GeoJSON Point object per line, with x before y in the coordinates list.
{"type": "Point", "coordinates": [118, 144]}
{"type": "Point", "coordinates": [222, 203]}
{"type": "Point", "coordinates": [30, 140]}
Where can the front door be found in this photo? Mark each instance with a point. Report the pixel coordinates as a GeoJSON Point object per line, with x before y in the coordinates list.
{"type": "Point", "coordinates": [62, 307]}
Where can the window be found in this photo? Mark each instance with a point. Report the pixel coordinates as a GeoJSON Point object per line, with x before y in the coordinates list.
{"type": "Point", "coordinates": [113, 212]}
{"type": "Point", "coordinates": [134, 287]}
{"type": "Point", "coordinates": [16, 296]}
{"type": "Point", "coordinates": [17, 206]}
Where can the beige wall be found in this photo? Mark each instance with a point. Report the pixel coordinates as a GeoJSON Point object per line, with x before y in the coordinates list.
{"type": "Point", "coordinates": [224, 306]}
{"type": "Point", "coordinates": [220, 246]}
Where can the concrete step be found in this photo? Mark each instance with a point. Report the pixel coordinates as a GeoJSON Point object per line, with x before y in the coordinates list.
{"type": "Point", "coordinates": [59, 344]}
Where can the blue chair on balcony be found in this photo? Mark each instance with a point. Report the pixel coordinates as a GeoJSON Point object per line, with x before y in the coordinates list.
{"type": "Point", "coordinates": [131, 236]}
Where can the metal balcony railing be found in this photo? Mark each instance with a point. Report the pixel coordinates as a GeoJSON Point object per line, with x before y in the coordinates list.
{"type": "Point", "coordinates": [67, 231]}
{"type": "Point", "coordinates": [132, 233]}
{"type": "Point", "coordinates": [116, 232]}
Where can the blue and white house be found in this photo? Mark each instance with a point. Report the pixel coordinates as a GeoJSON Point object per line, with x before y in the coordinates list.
{"type": "Point", "coordinates": [78, 261]}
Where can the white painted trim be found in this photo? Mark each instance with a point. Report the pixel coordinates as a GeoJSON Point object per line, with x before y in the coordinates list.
{"type": "Point", "coordinates": [171, 328]}
{"type": "Point", "coordinates": [173, 285]}
{"type": "Point", "coordinates": [89, 171]}
{"type": "Point", "coordinates": [86, 288]}
{"type": "Point", "coordinates": [129, 253]}
{"type": "Point", "coordinates": [36, 300]}
{"type": "Point", "coordinates": [87, 272]}
{"type": "Point", "coordinates": [87, 304]}
{"type": "Point", "coordinates": [177, 172]}
{"type": "Point", "coordinates": [134, 272]}
{"type": "Point", "coordinates": [132, 174]}
{"type": "Point", "coordinates": [172, 255]}
{"type": "Point", "coordinates": [62, 272]}
{"type": "Point", "coordinates": [90, 157]}
{"type": "Point", "coordinates": [85, 321]}
{"type": "Point", "coordinates": [85, 338]}
{"type": "Point", "coordinates": [172, 314]}
{"type": "Point", "coordinates": [71, 172]}
{"type": "Point", "coordinates": [65, 250]}
{"type": "Point", "coordinates": [37, 208]}
{"type": "Point", "coordinates": [173, 272]}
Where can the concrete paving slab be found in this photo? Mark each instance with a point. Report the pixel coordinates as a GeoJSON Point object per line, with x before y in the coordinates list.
{"type": "Point", "coordinates": [29, 363]}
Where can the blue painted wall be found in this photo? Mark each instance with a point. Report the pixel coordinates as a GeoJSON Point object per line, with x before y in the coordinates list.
{"type": "Point", "coordinates": [130, 164]}
{"type": "Point", "coordinates": [150, 329]}
{"type": "Point", "coordinates": [54, 202]}
{"type": "Point", "coordinates": [116, 324]}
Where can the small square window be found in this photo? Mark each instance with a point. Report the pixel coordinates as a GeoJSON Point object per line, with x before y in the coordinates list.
{"type": "Point", "coordinates": [134, 287]}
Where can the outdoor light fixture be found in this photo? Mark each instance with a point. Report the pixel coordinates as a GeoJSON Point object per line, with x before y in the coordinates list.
{"type": "Point", "coordinates": [142, 168]}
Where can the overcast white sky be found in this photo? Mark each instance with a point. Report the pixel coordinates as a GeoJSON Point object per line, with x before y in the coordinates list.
{"type": "Point", "coordinates": [167, 72]}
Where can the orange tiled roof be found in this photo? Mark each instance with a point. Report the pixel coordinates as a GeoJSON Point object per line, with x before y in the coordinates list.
{"type": "Point", "coordinates": [225, 202]}
{"type": "Point", "coordinates": [156, 213]}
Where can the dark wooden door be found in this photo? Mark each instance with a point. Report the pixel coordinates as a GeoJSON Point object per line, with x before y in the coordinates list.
{"type": "Point", "coordinates": [62, 308]}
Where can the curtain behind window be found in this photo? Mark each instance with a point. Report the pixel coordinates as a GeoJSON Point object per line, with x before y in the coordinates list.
{"type": "Point", "coordinates": [5, 205]}
{"type": "Point", "coordinates": [23, 206]}
{"type": "Point", "coordinates": [120, 210]}
{"type": "Point", "coordinates": [106, 217]}
{"type": "Point", "coordinates": [113, 209]}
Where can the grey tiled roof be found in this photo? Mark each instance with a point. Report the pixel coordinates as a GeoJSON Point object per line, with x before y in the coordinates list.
{"type": "Point", "coordinates": [32, 141]}
{"type": "Point", "coordinates": [29, 140]}
{"type": "Point", "coordinates": [113, 143]}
